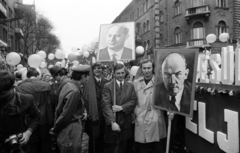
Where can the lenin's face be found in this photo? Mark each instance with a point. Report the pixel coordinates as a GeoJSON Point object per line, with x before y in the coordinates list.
{"type": "Point", "coordinates": [116, 38]}
{"type": "Point", "coordinates": [174, 73]}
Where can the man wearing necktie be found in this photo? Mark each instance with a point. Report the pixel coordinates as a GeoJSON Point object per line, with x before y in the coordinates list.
{"type": "Point", "coordinates": [175, 92]}
{"type": "Point", "coordinates": [116, 37]}
{"type": "Point", "coordinates": [118, 128]}
{"type": "Point", "coordinates": [96, 137]}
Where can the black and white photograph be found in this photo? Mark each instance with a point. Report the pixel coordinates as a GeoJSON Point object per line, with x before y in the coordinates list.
{"type": "Point", "coordinates": [116, 40]}
{"type": "Point", "coordinates": [175, 83]}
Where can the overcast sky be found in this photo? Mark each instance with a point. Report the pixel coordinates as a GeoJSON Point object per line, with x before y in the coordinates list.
{"type": "Point", "coordinates": [77, 22]}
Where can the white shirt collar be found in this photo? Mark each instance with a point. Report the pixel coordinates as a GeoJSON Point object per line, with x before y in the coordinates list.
{"type": "Point", "coordinates": [118, 82]}
{"type": "Point", "coordinates": [178, 98]}
{"type": "Point", "coordinates": [98, 79]}
{"type": "Point", "coordinates": [118, 54]}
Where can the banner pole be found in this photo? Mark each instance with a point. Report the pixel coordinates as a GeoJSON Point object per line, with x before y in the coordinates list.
{"type": "Point", "coordinates": [170, 118]}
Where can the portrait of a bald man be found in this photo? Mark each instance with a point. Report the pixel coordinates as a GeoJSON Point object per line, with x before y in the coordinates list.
{"type": "Point", "coordinates": [116, 38]}
{"type": "Point", "coordinates": [174, 93]}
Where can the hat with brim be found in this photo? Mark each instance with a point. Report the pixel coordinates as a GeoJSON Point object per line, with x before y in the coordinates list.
{"type": "Point", "coordinates": [81, 68]}
{"type": "Point", "coordinates": [54, 70]}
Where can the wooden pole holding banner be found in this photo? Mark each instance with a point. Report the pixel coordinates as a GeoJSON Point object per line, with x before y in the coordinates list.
{"type": "Point", "coordinates": [170, 118]}
{"type": "Point", "coordinates": [114, 84]}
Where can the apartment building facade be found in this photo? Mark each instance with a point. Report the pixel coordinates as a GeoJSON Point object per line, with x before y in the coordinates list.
{"type": "Point", "coordinates": [182, 23]}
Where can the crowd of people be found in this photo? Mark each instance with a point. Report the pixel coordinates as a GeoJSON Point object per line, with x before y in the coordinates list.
{"type": "Point", "coordinates": [50, 113]}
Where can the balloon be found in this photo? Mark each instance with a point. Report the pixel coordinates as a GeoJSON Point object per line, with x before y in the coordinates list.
{"type": "Point", "coordinates": [75, 63]}
{"type": "Point", "coordinates": [42, 54]}
{"type": "Point", "coordinates": [34, 60]}
{"type": "Point", "coordinates": [50, 66]}
{"type": "Point", "coordinates": [224, 37]}
{"type": "Point", "coordinates": [24, 75]}
{"type": "Point", "coordinates": [40, 72]}
{"type": "Point", "coordinates": [19, 66]}
{"type": "Point", "coordinates": [211, 38]}
{"type": "Point", "coordinates": [93, 60]}
{"type": "Point", "coordinates": [51, 56]}
{"type": "Point", "coordinates": [58, 64]}
{"type": "Point", "coordinates": [75, 49]}
{"type": "Point", "coordinates": [79, 53]}
{"type": "Point", "coordinates": [63, 63]}
{"type": "Point", "coordinates": [23, 69]}
{"type": "Point", "coordinates": [58, 54]}
{"type": "Point", "coordinates": [139, 50]}
{"type": "Point", "coordinates": [13, 58]}
{"type": "Point", "coordinates": [43, 65]}
{"type": "Point", "coordinates": [86, 54]}
{"type": "Point", "coordinates": [134, 70]}
{"type": "Point", "coordinates": [120, 62]}
{"type": "Point", "coordinates": [72, 57]}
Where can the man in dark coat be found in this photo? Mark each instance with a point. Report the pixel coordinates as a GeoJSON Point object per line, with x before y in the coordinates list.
{"type": "Point", "coordinates": [14, 109]}
{"type": "Point", "coordinates": [40, 90]}
{"type": "Point", "coordinates": [96, 130]}
{"type": "Point", "coordinates": [116, 37]}
{"type": "Point", "coordinates": [69, 112]}
{"type": "Point", "coordinates": [118, 117]}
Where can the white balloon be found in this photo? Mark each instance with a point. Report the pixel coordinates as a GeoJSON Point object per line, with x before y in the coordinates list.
{"type": "Point", "coordinates": [224, 37]}
{"type": "Point", "coordinates": [24, 75]}
{"type": "Point", "coordinates": [58, 64]}
{"type": "Point", "coordinates": [40, 72]}
{"type": "Point", "coordinates": [93, 60]}
{"type": "Point", "coordinates": [120, 62]}
{"type": "Point", "coordinates": [86, 54]}
{"type": "Point", "coordinates": [139, 50]}
{"type": "Point", "coordinates": [22, 69]}
{"type": "Point", "coordinates": [34, 60]}
{"type": "Point", "coordinates": [50, 66]}
{"type": "Point", "coordinates": [63, 63]}
{"type": "Point", "coordinates": [211, 38]}
{"type": "Point", "coordinates": [75, 63]}
{"type": "Point", "coordinates": [13, 58]}
{"type": "Point", "coordinates": [19, 66]}
{"type": "Point", "coordinates": [42, 54]}
{"type": "Point", "coordinates": [43, 65]}
{"type": "Point", "coordinates": [51, 56]}
{"type": "Point", "coordinates": [58, 54]}
{"type": "Point", "coordinates": [75, 49]}
{"type": "Point", "coordinates": [134, 70]}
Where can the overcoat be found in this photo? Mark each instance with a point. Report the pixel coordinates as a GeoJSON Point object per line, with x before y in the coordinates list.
{"type": "Point", "coordinates": [127, 99]}
{"type": "Point", "coordinates": [149, 122]}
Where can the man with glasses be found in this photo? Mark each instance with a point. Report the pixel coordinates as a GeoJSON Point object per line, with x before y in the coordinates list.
{"type": "Point", "coordinates": [175, 91]}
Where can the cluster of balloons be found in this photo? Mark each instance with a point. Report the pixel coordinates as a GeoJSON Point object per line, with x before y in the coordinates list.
{"type": "Point", "coordinates": [223, 37]}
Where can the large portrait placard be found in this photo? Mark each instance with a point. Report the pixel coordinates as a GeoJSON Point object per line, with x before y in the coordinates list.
{"type": "Point", "coordinates": [175, 73]}
{"type": "Point", "coordinates": [117, 40]}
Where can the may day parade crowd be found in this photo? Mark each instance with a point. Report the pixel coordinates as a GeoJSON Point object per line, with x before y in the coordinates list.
{"type": "Point", "coordinates": [58, 111]}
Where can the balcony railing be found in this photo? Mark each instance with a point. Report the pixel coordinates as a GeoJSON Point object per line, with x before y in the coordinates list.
{"type": "Point", "coordinates": [19, 32]}
{"type": "Point", "coordinates": [198, 11]}
{"type": "Point", "coordinates": [3, 12]}
{"type": "Point", "coordinates": [195, 43]}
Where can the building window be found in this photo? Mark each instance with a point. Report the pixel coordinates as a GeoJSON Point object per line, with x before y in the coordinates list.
{"type": "Point", "coordinates": [148, 43]}
{"type": "Point", "coordinates": [144, 27]}
{"type": "Point", "coordinates": [177, 8]}
{"type": "Point", "coordinates": [195, 3]}
{"type": "Point", "coordinates": [146, 4]}
{"type": "Point", "coordinates": [144, 44]}
{"type": "Point", "coordinates": [221, 27]}
{"type": "Point", "coordinates": [137, 12]}
{"type": "Point", "coordinates": [198, 31]}
{"type": "Point", "coordinates": [148, 25]}
{"type": "Point", "coordinates": [144, 7]}
{"type": "Point", "coordinates": [133, 15]}
{"type": "Point", "coordinates": [221, 3]}
{"type": "Point", "coordinates": [161, 17]}
{"type": "Point", "coordinates": [178, 35]}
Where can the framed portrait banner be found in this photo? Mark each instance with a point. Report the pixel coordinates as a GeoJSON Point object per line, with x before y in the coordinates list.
{"type": "Point", "coordinates": [175, 78]}
{"type": "Point", "coordinates": [116, 41]}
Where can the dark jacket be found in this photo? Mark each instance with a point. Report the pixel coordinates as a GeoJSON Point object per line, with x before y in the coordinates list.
{"type": "Point", "coordinates": [14, 109]}
{"type": "Point", "coordinates": [162, 98]}
{"type": "Point", "coordinates": [62, 83]}
{"type": "Point", "coordinates": [41, 93]}
{"type": "Point", "coordinates": [70, 106]}
{"type": "Point", "coordinates": [127, 99]}
{"type": "Point", "coordinates": [126, 55]}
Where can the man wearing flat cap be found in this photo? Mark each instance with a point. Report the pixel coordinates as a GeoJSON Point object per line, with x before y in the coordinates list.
{"type": "Point", "coordinates": [69, 112]}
